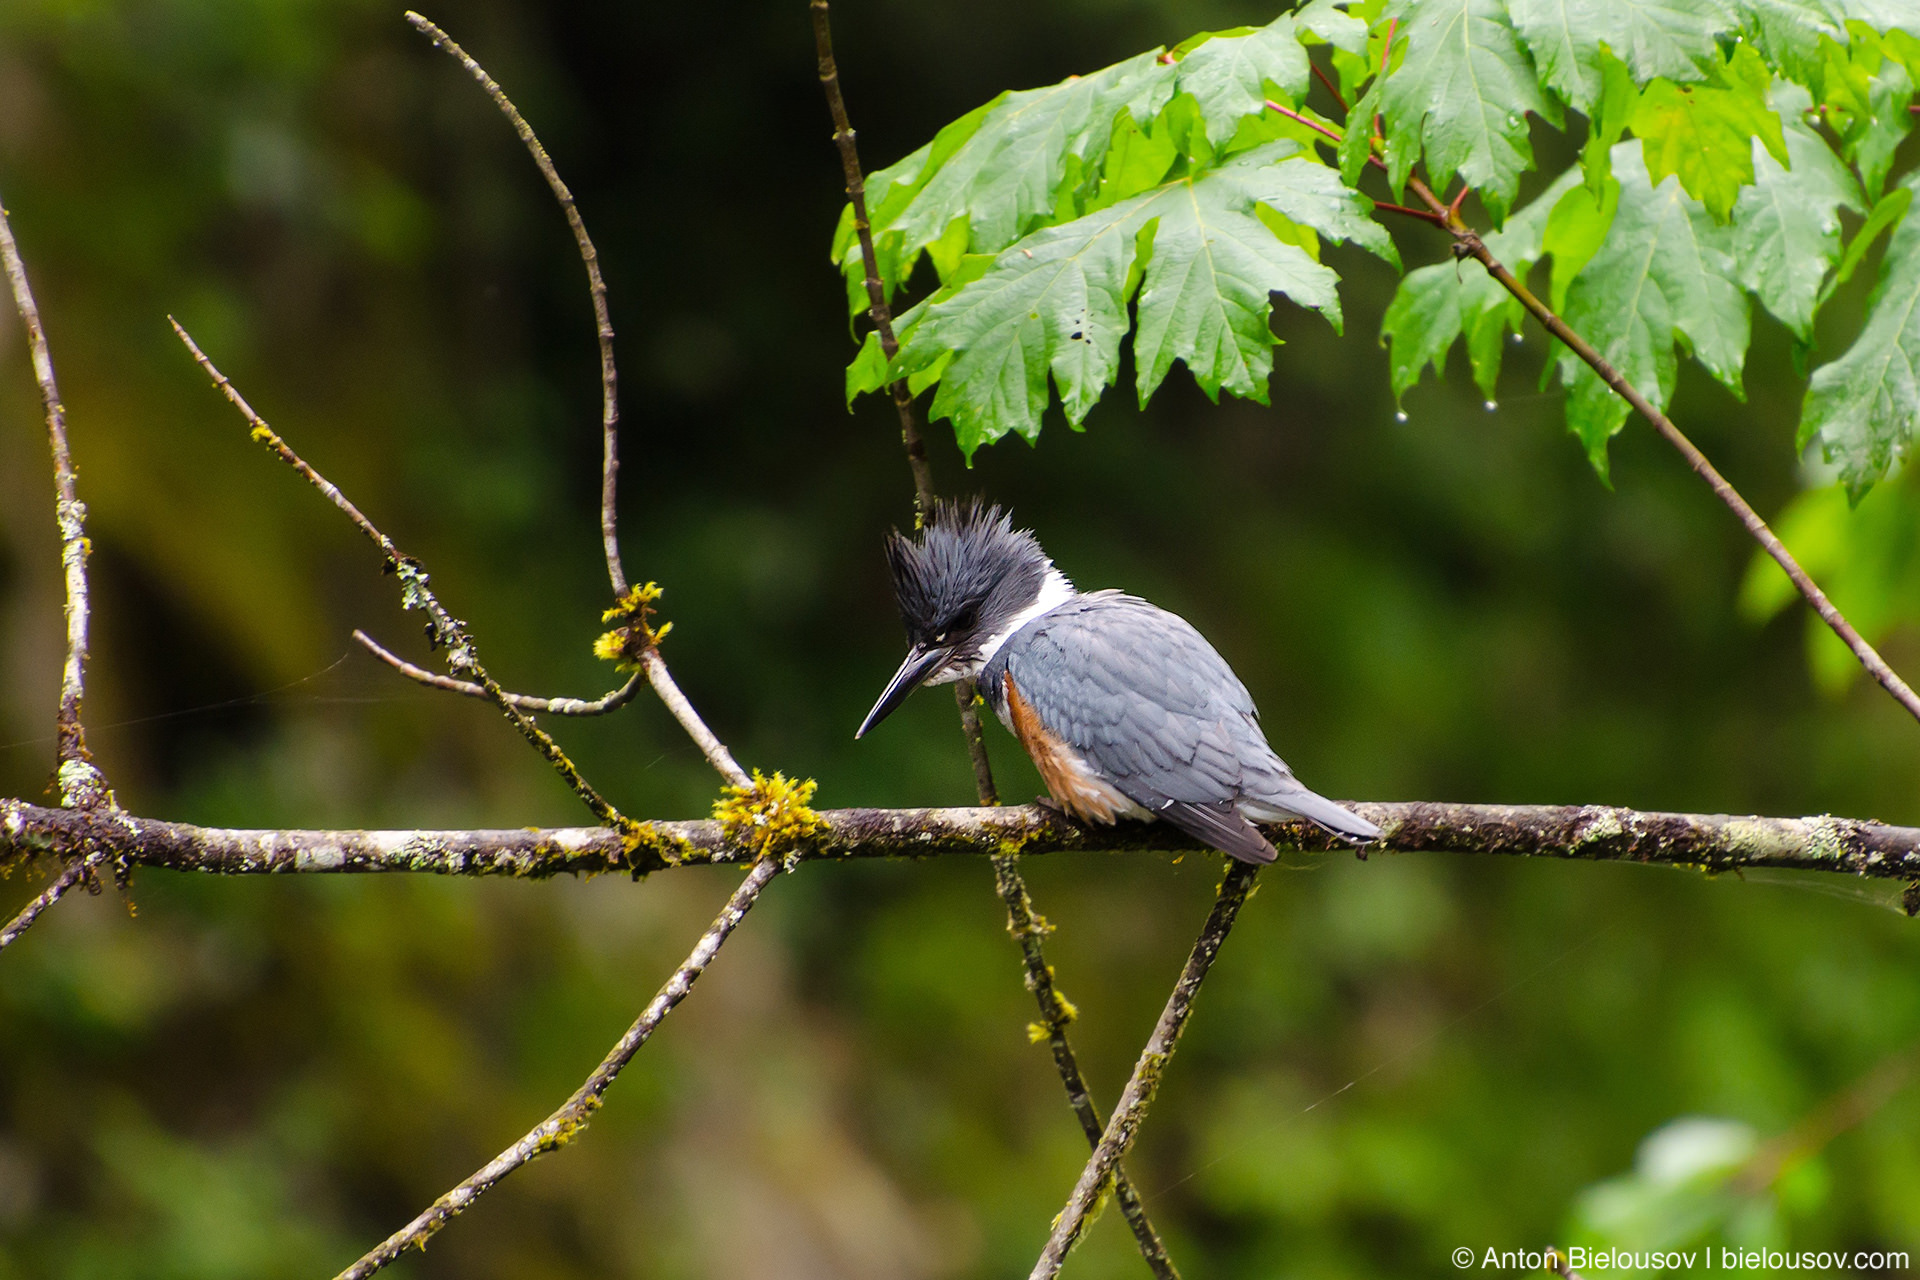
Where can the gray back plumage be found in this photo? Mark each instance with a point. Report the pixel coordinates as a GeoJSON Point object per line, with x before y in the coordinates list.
{"type": "Point", "coordinates": [1149, 703]}
{"type": "Point", "coordinates": [1145, 699]}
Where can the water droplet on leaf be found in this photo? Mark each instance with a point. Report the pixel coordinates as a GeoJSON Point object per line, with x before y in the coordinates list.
{"type": "Point", "coordinates": [1399, 415]}
{"type": "Point", "coordinates": [1492, 405]}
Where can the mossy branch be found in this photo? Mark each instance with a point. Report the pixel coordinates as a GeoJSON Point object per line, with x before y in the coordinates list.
{"type": "Point", "coordinates": [1586, 833]}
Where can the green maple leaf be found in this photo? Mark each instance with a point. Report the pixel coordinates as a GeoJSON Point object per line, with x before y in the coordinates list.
{"type": "Point", "coordinates": [1884, 15]}
{"type": "Point", "coordinates": [1434, 306]}
{"type": "Point", "coordinates": [1203, 254]}
{"type": "Point", "coordinates": [1788, 32]}
{"type": "Point", "coordinates": [1561, 37]}
{"type": "Point", "coordinates": [991, 176]}
{"type": "Point", "coordinates": [1329, 22]}
{"type": "Point", "coordinates": [1676, 39]}
{"type": "Point", "coordinates": [1461, 95]}
{"type": "Point", "coordinates": [1607, 120]}
{"type": "Point", "coordinates": [1356, 143]}
{"type": "Point", "coordinates": [1437, 305]}
{"type": "Point", "coordinates": [1228, 74]}
{"type": "Point", "coordinates": [1576, 229]}
{"type": "Point", "coordinates": [1702, 132]}
{"type": "Point", "coordinates": [1037, 156]}
{"type": "Point", "coordinates": [1869, 86]}
{"type": "Point", "coordinates": [1664, 273]}
{"type": "Point", "coordinates": [1786, 226]}
{"type": "Point", "coordinates": [1886, 214]}
{"type": "Point", "coordinates": [1863, 407]}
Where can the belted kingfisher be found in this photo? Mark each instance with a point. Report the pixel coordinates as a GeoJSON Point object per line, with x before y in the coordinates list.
{"type": "Point", "coordinates": [1126, 710]}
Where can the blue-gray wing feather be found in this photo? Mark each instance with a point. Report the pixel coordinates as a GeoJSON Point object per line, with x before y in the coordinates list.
{"type": "Point", "coordinates": [1144, 697]}
{"type": "Point", "coordinates": [1148, 702]}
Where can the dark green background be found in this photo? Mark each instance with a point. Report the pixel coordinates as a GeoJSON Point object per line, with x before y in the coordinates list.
{"type": "Point", "coordinates": [262, 1078]}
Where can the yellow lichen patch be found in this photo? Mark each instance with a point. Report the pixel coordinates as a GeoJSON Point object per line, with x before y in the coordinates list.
{"type": "Point", "coordinates": [634, 632]}
{"type": "Point", "coordinates": [643, 838]}
{"type": "Point", "coordinates": [769, 816]}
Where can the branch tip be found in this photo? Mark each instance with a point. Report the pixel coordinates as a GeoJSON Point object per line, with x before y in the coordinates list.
{"type": "Point", "coordinates": [596, 292]}
{"type": "Point", "coordinates": [560, 1128]}
{"type": "Point", "coordinates": [70, 518]}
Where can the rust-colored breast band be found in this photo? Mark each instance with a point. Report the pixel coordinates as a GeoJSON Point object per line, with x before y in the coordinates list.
{"type": "Point", "coordinates": [1068, 779]}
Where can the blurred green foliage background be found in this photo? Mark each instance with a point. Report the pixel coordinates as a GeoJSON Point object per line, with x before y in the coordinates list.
{"type": "Point", "coordinates": [1394, 1058]}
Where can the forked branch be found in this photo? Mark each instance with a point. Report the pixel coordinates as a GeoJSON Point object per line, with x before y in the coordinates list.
{"type": "Point", "coordinates": [76, 870]}
{"type": "Point", "coordinates": [466, 688]}
{"type": "Point", "coordinates": [651, 665]}
{"type": "Point", "coordinates": [1028, 928]}
{"type": "Point", "coordinates": [630, 605]}
{"type": "Point", "coordinates": [1145, 1082]}
{"type": "Point", "coordinates": [448, 632]}
{"type": "Point", "coordinates": [82, 785]}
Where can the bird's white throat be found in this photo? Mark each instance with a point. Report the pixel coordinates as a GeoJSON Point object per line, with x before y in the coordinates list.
{"type": "Point", "coordinates": [1055, 590]}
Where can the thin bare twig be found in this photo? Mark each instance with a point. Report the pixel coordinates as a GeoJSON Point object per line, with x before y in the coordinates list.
{"type": "Point", "coordinates": [1468, 244]}
{"type": "Point", "coordinates": [1424, 215]}
{"type": "Point", "coordinates": [545, 706]}
{"type": "Point", "coordinates": [596, 288]}
{"type": "Point", "coordinates": [1332, 88]}
{"type": "Point", "coordinates": [1308, 121]}
{"type": "Point", "coordinates": [1839, 1113]}
{"type": "Point", "coordinates": [560, 1128]}
{"type": "Point", "coordinates": [964, 695]}
{"type": "Point", "coordinates": [877, 309]}
{"type": "Point", "coordinates": [1056, 1011]}
{"type": "Point", "coordinates": [1145, 1082]}
{"type": "Point", "coordinates": [1012, 887]}
{"type": "Point", "coordinates": [80, 782]}
{"type": "Point", "coordinates": [73, 873]}
{"type": "Point", "coordinates": [882, 317]}
{"type": "Point", "coordinates": [676, 702]}
{"type": "Point", "coordinates": [447, 631]}
{"type": "Point", "coordinates": [651, 664]}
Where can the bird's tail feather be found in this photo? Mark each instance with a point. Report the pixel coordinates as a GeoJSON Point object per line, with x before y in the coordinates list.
{"type": "Point", "coordinates": [1220, 826]}
{"type": "Point", "coordinates": [1316, 809]}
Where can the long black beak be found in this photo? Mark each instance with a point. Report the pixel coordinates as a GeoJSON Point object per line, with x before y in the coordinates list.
{"type": "Point", "coordinates": [921, 662]}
